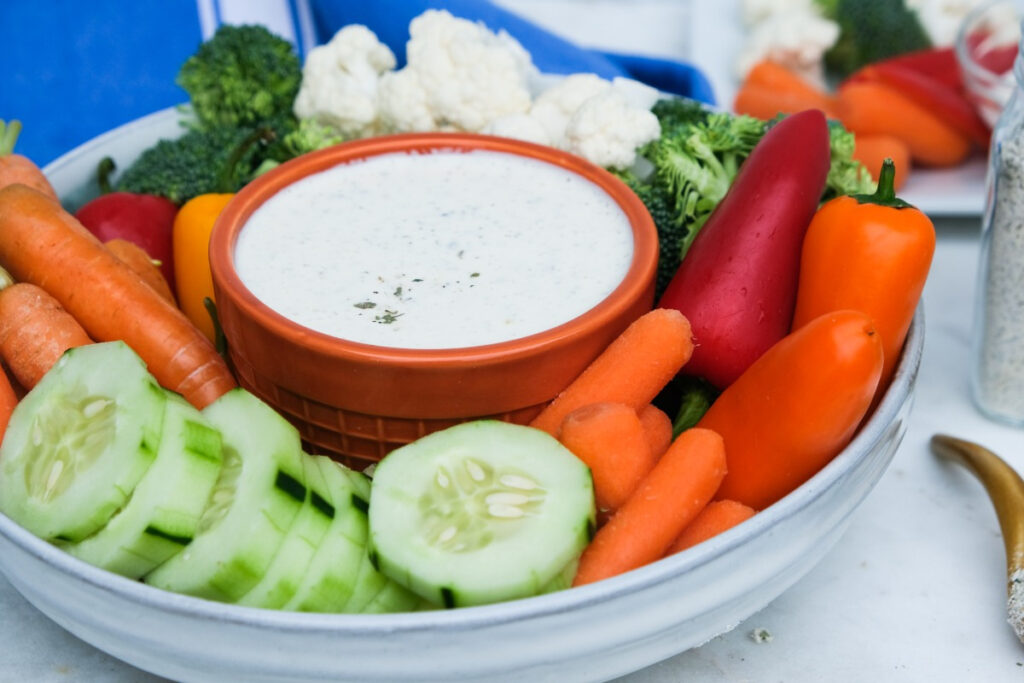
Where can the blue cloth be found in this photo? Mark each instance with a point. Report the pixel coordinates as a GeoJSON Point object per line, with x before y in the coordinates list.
{"type": "Point", "coordinates": [73, 69]}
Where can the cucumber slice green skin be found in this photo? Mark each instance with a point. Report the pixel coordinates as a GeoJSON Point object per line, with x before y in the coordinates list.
{"type": "Point", "coordinates": [479, 513]}
{"type": "Point", "coordinates": [163, 513]}
{"type": "Point", "coordinates": [255, 501]}
{"type": "Point", "coordinates": [396, 598]}
{"type": "Point", "coordinates": [332, 573]}
{"type": "Point", "coordinates": [78, 444]}
{"type": "Point", "coordinates": [289, 567]}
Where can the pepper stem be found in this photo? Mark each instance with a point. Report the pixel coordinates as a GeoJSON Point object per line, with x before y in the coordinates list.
{"type": "Point", "coordinates": [8, 136]}
{"type": "Point", "coordinates": [220, 342]}
{"type": "Point", "coordinates": [103, 171]}
{"type": "Point", "coordinates": [885, 194]}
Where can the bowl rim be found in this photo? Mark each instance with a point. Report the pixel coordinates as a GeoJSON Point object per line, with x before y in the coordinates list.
{"type": "Point", "coordinates": [867, 438]}
{"type": "Point", "coordinates": [231, 222]}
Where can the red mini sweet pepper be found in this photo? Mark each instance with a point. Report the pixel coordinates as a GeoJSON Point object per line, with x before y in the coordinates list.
{"type": "Point", "coordinates": [951, 105]}
{"type": "Point", "coordinates": [737, 284]}
{"type": "Point", "coordinates": [146, 220]}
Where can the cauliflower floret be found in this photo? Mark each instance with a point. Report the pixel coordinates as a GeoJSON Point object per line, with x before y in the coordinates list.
{"type": "Point", "coordinates": [340, 80]}
{"type": "Point", "coordinates": [402, 103]}
{"type": "Point", "coordinates": [468, 75]}
{"type": "Point", "coordinates": [519, 126]}
{"type": "Point", "coordinates": [797, 40]}
{"type": "Point", "coordinates": [607, 131]}
{"type": "Point", "coordinates": [637, 94]}
{"type": "Point", "coordinates": [756, 11]}
{"type": "Point", "coordinates": [941, 18]}
{"type": "Point", "coordinates": [556, 105]}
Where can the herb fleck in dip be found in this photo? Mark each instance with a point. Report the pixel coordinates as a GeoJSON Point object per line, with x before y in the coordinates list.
{"type": "Point", "coordinates": [439, 250]}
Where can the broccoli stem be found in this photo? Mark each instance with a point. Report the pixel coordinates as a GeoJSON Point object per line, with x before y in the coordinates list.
{"type": "Point", "coordinates": [885, 195]}
{"type": "Point", "coordinates": [8, 136]}
{"type": "Point", "coordinates": [225, 182]}
{"type": "Point", "coordinates": [103, 171]}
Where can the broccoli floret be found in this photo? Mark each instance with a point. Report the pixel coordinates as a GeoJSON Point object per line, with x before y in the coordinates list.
{"type": "Point", "coordinates": [873, 31]}
{"type": "Point", "coordinates": [676, 112]}
{"type": "Point", "coordinates": [309, 136]}
{"type": "Point", "coordinates": [695, 161]}
{"type": "Point", "coordinates": [242, 76]}
{"type": "Point", "coordinates": [670, 233]}
{"type": "Point", "coordinates": [696, 165]}
{"type": "Point", "coordinates": [196, 163]}
{"type": "Point", "coordinates": [846, 175]}
{"type": "Point", "coordinates": [296, 139]}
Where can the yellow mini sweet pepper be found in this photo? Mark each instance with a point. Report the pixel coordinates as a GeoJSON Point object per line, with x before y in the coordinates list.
{"type": "Point", "coordinates": [191, 241]}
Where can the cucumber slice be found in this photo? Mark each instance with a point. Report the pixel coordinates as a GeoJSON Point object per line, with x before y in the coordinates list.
{"type": "Point", "coordinates": [395, 598]}
{"type": "Point", "coordinates": [563, 579]}
{"type": "Point", "coordinates": [369, 584]}
{"type": "Point", "coordinates": [478, 513]}
{"type": "Point", "coordinates": [260, 491]}
{"type": "Point", "coordinates": [286, 572]}
{"type": "Point", "coordinates": [333, 571]}
{"type": "Point", "coordinates": [80, 441]}
{"type": "Point", "coordinates": [163, 513]}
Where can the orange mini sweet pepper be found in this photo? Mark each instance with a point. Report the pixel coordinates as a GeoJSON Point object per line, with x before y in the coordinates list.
{"type": "Point", "coordinates": [870, 253]}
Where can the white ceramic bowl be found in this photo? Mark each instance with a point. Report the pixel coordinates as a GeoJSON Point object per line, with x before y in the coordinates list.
{"type": "Point", "coordinates": [591, 633]}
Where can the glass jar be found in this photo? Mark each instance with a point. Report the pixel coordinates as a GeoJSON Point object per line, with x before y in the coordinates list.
{"type": "Point", "coordinates": [998, 335]}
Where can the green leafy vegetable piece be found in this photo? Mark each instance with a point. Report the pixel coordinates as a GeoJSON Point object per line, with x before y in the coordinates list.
{"type": "Point", "coordinates": [846, 175]}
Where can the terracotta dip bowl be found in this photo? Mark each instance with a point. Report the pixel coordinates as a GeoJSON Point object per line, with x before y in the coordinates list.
{"type": "Point", "coordinates": [358, 401]}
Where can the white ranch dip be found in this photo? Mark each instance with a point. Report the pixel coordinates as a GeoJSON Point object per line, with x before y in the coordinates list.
{"type": "Point", "coordinates": [441, 250]}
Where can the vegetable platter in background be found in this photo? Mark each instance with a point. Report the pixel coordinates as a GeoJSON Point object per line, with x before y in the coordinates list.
{"type": "Point", "coordinates": [793, 38]}
{"type": "Point", "coordinates": [133, 448]}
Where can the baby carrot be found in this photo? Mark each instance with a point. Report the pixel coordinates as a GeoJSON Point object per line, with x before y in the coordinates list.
{"type": "Point", "coordinates": [610, 439]}
{"type": "Point", "coordinates": [8, 400]}
{"type": "Point", "coordinates": [870, 108]}
{"type": "Point", "coordinates": [664, 503]}
{"type": "Point", "coordinates": [43, 244]}
{"type": "Point", "coordinates": [657, 428]}
{"type": "Point", "coordinates": [135, 257]}
{"type": "Point", "coordinates": [796, 407]}
{"type": "Point", "coordinates": [770, 89]}
{"type": "Point", "coordinates": [632, 370]}
{"type": "Point", "coordinates": [15, 168]}
{"type": "Point", "coordinates": [35, 331]}
{"type": "Point", "coordinates": [718, 516]}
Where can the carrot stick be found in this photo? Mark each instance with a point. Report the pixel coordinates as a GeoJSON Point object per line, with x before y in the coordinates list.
{"type": "Point", "coordinates": [15, 168]}
{"type": "Point", "coordinates": [43, 244]}
{"type": "Point", "coordinates": [136, 258]}
{"type": "Point", "coordinates": [870, 108]}
{"type": "Point", "coordinates": [657, 428]}
{"type": "Point", "coordinates": [718, 516]}
{"type": "Point", "coordinates": [872, 150]}
{"type": "Point", "coordinates": [610, 439]}
{"type": "Point", "coordinates": [35, 331]}
{"type": "Point", "coordinates": [632, 370]}
{"type": "Point", "coordinates": [770, 89]}
{"type": "Point", "coordinates": [664, 503]}
{"type": "Point", "coordinates": [8, 399]}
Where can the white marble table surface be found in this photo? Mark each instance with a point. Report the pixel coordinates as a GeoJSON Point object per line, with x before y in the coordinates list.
{"type": "Point", "coordinates": [914, 591]}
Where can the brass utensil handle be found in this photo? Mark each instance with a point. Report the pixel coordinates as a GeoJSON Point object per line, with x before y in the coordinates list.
{"type": "Point", "coordinates": [1004, 486]}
